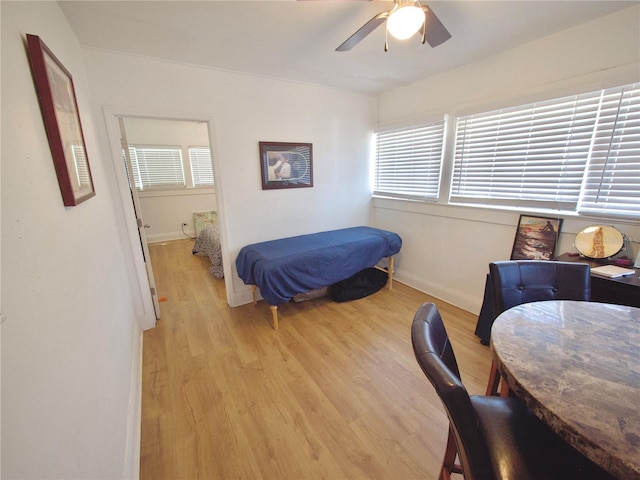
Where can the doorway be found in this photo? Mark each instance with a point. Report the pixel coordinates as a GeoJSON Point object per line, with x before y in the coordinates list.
{"type": "Point", "coordinates": [157, 212]}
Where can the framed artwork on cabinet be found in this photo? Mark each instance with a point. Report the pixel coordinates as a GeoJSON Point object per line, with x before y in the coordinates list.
{"type": "Point", "coordinates": [536, 238]}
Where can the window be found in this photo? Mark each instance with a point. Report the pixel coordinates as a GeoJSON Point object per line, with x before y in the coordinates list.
{"type": "Point", "coordinates": [612, 183]}
{"type": "Point", "coordinates": [576, 153]}
{"type": "Point", "coordinates": [408, 161]}
{"type": "Point", "coordinates": [532, 155]}
{"type": "Point", "coordinates": [162, 167]}
{"type": "Point", "coordinates": [201, 169]}
{"type": "Point", "coordinates": [157, 167]}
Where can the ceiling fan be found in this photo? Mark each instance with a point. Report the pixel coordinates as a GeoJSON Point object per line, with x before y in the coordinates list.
{"type": "Point", "coordinates": [406, 18]}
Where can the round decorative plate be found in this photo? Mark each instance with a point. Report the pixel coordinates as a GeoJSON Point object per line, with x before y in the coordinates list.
{"type": "Point", "coordinates": [599, 241]}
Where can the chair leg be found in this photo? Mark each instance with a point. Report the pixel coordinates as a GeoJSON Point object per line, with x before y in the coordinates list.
{"type": "Point", "coordinates": [448, 463]}
{"type": "Point", "coordinates": [504, 389]}
{"type": "Point", "coordinates": [494, 381]}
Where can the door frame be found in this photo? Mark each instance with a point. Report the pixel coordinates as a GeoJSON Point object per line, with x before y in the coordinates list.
{"type": "Point", "coordinates": [145, 307]}
{"type": "Point", "coordinates": [137, 210]}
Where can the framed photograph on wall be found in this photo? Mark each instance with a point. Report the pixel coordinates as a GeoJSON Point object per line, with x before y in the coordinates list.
{"type": "Point", "coordinates": [57, 97]}
{"type": "Point", "coordinates": [536, 238]}
{"type": "Point", "coordinates": [286, 165]}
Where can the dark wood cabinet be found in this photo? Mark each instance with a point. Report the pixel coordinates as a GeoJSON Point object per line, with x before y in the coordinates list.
{"type": "Point", "coordinates": [620, 290]}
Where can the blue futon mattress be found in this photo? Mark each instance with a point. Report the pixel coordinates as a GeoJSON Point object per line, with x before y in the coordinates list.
{"type": "Point", "coordinates": [286, 267]}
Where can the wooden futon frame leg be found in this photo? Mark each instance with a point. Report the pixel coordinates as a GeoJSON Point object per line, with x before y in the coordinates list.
{"type": "Point", "coordinates": [389, 271]}
{"type": "Point", "coordinates": [274, 309]}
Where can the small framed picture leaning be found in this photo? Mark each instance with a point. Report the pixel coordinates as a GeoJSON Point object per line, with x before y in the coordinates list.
{"type": "Point", "coordinates": [57, 97]}
{"type": "Point", "coordinates": [286, 165]}
{"type": "Point", "coordinates": [536, 238]}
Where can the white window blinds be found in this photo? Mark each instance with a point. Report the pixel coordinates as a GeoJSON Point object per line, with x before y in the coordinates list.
{"type": "Point", "coordinates": [575, 153]}
{"type": "Point", "coordinates": [408, 161]}
{"type": "Point", "coordinates": [532, 155]}
{"type": "Point", "coordinates": [157, 167]}
{"type": "Point", "coordinates": [201, 168]}
{"type": "Point", "coordinates": [612, 182]}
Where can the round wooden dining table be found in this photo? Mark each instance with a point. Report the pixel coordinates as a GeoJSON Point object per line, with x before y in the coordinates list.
{"type": "Point", "coordinates": [577, 367]}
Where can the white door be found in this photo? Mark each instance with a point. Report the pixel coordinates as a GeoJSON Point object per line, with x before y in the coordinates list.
{"type": "Point", "coordinates": [138, 212]}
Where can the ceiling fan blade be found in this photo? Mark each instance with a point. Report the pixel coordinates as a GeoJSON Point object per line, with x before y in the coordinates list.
{"type": "Point", "coordinates": [363, 31]}
{"type": "Point", "coordinates": [435, 33]}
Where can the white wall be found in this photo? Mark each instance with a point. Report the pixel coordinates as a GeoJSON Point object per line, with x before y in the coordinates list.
{"type": "Point", "coordinates": [447, 249]}
{"type": "Point", "coordinates": [164, 211]}
{"type": "Point", "coordinates": [247, 110]}
{"type": "Point", "coordinates": [71, 341]}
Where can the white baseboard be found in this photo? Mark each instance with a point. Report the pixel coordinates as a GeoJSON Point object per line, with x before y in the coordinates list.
{"type": "Point", "coordinates": [131, 467]}
{"type": "Point", "coordinates": [167, 237]}
{"type": "Point", "coordinates": [243, 296]}
{"type": "Point", "coordinates": [461, 300]}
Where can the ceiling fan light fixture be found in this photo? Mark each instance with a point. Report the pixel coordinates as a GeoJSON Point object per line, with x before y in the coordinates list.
{"type": "Point", "coordinates": [405, 21]}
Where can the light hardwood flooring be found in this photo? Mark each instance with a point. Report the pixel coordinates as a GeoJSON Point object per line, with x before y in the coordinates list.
{"type": "Point", "coordinates": [335, 393]}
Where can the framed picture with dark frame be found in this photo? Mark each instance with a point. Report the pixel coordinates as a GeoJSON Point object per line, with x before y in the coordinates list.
{"type": "Point", "coordinates": [286, 165]}
{"type": "Point", "coordinates": [57, 97]}
{"type": "Point", "coordinates": [536, 238]}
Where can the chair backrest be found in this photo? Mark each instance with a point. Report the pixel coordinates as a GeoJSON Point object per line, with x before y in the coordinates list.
{"type": "Point", "coordinates": [435, 356]}
{"type": "Point", "coordinates": [515, 282]}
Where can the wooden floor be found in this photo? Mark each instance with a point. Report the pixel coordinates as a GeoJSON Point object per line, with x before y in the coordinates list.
{"type": "Point", "coordinates": [335, 393]}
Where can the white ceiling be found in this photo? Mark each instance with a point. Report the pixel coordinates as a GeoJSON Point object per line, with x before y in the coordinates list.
{"type": "Point", "coordinates": [296, 40]}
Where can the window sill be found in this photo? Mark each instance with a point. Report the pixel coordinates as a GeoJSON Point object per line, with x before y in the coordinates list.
{"type": "Point", "coordinates": [177, 192]}
{"type": "Point", "coordinates": [499, 214]}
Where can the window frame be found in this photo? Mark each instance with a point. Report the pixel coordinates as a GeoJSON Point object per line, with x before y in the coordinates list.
{"type": "Point", "coordinates": [195, 184]}
{"type": "Point", "coordinates": [447, 193]}
{"type": "Point", "coordinates": [187, 180]}
{"type": "Point", "coordinates": [531, 155]}
{"type": "Point", "coordinates": [399, 143]}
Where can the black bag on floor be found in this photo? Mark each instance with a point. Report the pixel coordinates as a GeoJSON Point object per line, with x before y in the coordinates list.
{"type": "Point", "coordinates": [362, 284]}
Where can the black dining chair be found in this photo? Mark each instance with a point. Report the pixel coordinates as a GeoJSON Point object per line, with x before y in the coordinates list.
{"type": "Point", "coordinates": [493, 437]}
{"type": "Point", "coordinates": [515, 282]}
